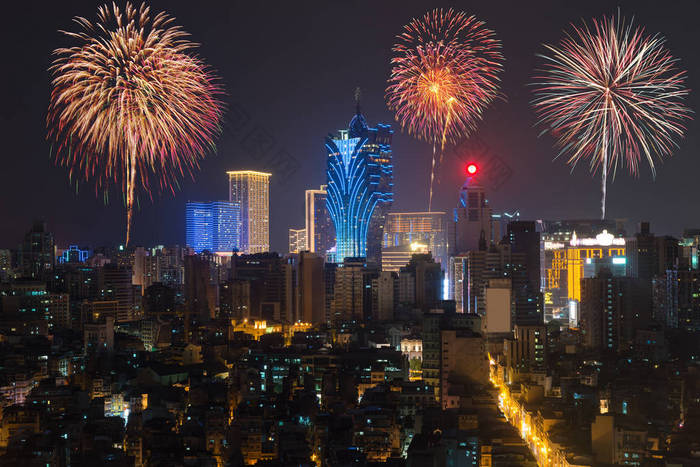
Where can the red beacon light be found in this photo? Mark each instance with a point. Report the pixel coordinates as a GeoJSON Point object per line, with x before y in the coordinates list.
{"type": "Point", "coordinates": [472, 169]}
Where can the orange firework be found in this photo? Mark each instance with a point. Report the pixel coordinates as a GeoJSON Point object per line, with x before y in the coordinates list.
{"type": "Point", "coordinates": [444, 75]}
{"type": "Point", "coordinates": [128, 103]}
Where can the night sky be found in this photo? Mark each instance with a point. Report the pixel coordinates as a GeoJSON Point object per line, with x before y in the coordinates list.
{"type": "Point", "coordinates": [293, 67]}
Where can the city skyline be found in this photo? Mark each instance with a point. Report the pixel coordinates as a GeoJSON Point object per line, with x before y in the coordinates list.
{"type": "Point", "coordinates": [84, 218]}
{"type": "Point", "coordinates": [356, 234]}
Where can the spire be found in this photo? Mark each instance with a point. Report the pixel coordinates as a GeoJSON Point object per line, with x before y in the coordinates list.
{"type": "Point", "coordinates": [358, 125]}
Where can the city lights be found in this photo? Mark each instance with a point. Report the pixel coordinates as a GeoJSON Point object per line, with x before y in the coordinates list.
{"type": "Point", "coordinates": [303, 307]}
{"type": "Point", "coordinates": [515, 412]}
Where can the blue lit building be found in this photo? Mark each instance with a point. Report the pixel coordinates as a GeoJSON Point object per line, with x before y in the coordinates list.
{"type": "Point", "coordinates": [73, 255]}
{"type": "Point", "coordinates": [213, 226]}
{"type": "Point", "coordinates": [360, 187]}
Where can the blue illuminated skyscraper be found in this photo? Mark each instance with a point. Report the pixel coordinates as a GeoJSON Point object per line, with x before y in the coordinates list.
{"type": "Point", "coordinates": [360, 187]}
{"type": "Point", "coordinates": [213, 226]}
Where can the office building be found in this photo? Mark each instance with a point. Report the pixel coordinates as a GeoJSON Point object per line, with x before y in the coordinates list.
{"type": "Point", "coordinates": [611, 309]}
{"type": "Point", "coordinates": [352, 292]}
{"type": "Point", "coordinates": [213, 226]}
{"type": "Point", "coordinates": [360, 187]}
{"type": "Point", "coordinates": [270, 285]}
{"type": "Point", "coordinates": [642, 254]}
{"type": "Point", "coordinates": [320, 231]}
{"type": "Point", "coordinates": [406, 229]}
{"type": "Point", "coordinates": [297, 240]}
{"type": "Point", "coordinates": [384, 295]}
{"type": "Point", "coordinates": [470, 273]}
{"type": "Point", "coordinates": [29, 300]}
{"type": "Point", "coordinates": [37, 253]}
{"type": "Point", "coordinates": [524, 241]}
{"type": "Point", "coordinates": [311, 288]}
{"type": "Point", "coordinates": [396, 257]}
{"type": "Point", "coordinates": [420, 282]}
{"type": "Point", "coordinates": [471, 229]}
{"type": "Point", "coordinates": [499, 224]}
{"type": "Point", "coordinates": [676, 299]}
{"type": "Point", "coordinates": [251, 191]}
{"type": "Point", "coordinates": [568, 258]}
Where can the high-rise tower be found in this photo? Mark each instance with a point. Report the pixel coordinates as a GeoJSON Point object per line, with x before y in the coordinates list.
{"type": "Point", "coordinates": [360, 187]}
{"type": "Point", "coordinates": [472, 219]}
{"type": "Point", "coordinates": [320, 232]}
{"type": "Point", "coordinates": [213, 226]}
{"type": "Point", "coordinates": [251, 191]}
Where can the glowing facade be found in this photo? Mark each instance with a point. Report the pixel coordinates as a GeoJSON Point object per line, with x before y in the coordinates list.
{"type": "Point", "coordinates": [360, 187]}
{"type": "Point", "coordinates": [568, 260]}
{"type": "Point", "coordinates": [213, 226]}
{"type": "Point", "coordinates": [405, 229]}
{"type": "Point", "coordinates": [396, 257]}
{"type": "Point", "coordinates": [320, 232]}
{"type": "Point", "coordinates": [297, 240]}
{"type": "Point", "coordinates": [73, 255]}
{"type": "Point", "coordinates": [251, 191]}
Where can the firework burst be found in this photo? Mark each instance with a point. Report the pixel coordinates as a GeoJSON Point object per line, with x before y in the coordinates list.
{"type": "Point", "coordinates": [129, 105]}
{"type": "Point", "coordinates": [612, 95]}
{"type": "Point", "coordinates": [445, 72]}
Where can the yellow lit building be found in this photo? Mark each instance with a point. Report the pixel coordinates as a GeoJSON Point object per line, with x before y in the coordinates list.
{"type": "Point", "coordinates": [251, 190]}
{"type": "Point", "coordinates": [394, 258]}
{"type": "Point", "coordinates": [429, 228]}
{"type": "Point", "coordinates": [256, 328]}
{"type": "Point", "coordinates": [566, 263]}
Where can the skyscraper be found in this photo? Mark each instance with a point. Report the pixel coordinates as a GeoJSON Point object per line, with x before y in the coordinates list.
{"type": "Point", "coordinates": [251, 191]}
{"type": "Point", "coordinates": [360, 187]}
{"type": "Point", "coordinates": [472, 219]}
{"type": "Point", "coordinates": [213, 226]}
{"type": "Point", "coordinates": [524, 243]}
{"type": "Point", "coordinates": [320, 231]}
{"type": "Point", "coordinates": [420, 282]}
{"type": "Point", "coordinates": [425, 228]}
{"type": "Point", "coordinates": [612, 308]}
{"type": "Point", "coordinates": [568, 258]}
{"type": "Point", "coordinates": [37, 253]}
{"type": "Point", "coordinates": [470, 274]}
{"type": "Point", "coordinates": [641, 253]}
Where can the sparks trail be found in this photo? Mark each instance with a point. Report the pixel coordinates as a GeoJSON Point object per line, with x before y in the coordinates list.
{"type": "Point", "coordinates": [613, 96]}
{"type": "Point", "coordinates": [445, 72]}
{"type": "Point", "coordinates": [130, 104]}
